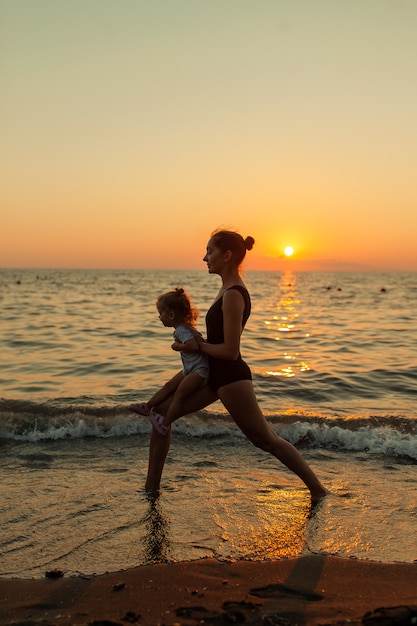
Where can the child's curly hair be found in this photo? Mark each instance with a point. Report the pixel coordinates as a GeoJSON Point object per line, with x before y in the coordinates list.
{"type": "Point", "coordinates": [179, 302]}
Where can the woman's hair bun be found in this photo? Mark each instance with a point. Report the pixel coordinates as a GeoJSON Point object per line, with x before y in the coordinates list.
{"type": "Point", "coordinates": [249, 241]}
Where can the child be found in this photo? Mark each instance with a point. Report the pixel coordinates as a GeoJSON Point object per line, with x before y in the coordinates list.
{"type": "Point", "coordinates": [175, 310]}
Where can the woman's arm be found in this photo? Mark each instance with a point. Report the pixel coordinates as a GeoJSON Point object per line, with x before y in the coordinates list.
{"type": "Point", "coordinates": [187, 346]}
{"type": "Point", "coordinates": [233, 307]}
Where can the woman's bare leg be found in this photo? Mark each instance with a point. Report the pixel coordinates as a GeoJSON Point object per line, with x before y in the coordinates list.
{"type": "Point", "coordinates": [159, 444]}
{"type": "Point", "coordinates": [158, 451]}
{"type": "Point", "coordinates": [240, 400]}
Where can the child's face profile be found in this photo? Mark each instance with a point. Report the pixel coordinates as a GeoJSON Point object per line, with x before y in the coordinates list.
{"type": "Point", "coordinates": [166, 317]}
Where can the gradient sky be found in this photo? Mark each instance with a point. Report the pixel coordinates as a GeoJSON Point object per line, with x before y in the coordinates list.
{"type": "Point", "coordinates": [132, 129]}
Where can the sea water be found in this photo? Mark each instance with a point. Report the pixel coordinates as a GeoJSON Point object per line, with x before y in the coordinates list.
{"type": "Point", "coordinates": [333, 357]}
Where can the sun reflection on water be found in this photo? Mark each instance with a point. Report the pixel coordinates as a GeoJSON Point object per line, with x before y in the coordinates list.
{"type": "Point", "coordinates": [286, 326]}
{"type": "Point", "coordinates": [275, 527]}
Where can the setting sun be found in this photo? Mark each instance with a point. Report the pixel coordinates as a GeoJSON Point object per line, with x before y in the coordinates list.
{"type": "Point", "coordinates": [288, 251]}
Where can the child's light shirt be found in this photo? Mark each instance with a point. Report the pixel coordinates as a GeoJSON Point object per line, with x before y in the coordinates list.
{"type": "Point", "coordinates": [192, 361]}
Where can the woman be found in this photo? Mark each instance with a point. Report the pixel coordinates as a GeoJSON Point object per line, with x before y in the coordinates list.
{"type": "Point", "coordinates": [230, 378]}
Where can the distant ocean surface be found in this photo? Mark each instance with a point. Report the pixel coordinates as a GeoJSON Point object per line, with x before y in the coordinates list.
{"type": "Point", "coordinates": [334, 363]}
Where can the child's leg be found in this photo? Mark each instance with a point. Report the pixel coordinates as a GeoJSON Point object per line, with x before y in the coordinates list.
{"type": "Point", "coordinates": [144, 408]}
{"type": "Point", "coordinates": [169, 388]}
{"type": "Point", "coordinates": [190, 383]}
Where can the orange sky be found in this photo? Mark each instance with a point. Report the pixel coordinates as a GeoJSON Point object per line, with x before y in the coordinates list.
{"type": "Point", "coordinates": [131, 130]}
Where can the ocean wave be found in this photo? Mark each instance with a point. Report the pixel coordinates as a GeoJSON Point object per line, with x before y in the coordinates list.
{"type": "Point", "coordinates": [324, 386]}
{"type": "Point", "coordinates": [389, 435]}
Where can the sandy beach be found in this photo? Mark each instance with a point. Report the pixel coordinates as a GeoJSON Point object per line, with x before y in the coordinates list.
{"type": "Point", "coordinates": [311, 589]}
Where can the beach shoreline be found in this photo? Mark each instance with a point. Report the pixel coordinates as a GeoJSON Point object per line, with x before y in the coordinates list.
{"type": "Point", "coordinates": [310, 589]}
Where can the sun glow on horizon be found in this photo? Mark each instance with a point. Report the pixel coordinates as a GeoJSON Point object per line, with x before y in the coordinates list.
{"type": "Point", "coordinates": [111, 204]}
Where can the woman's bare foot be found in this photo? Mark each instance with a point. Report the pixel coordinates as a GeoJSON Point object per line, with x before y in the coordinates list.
{"type": "Point", "coordinates": [318, 494]}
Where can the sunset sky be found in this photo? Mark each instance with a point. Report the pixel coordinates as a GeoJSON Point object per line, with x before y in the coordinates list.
{"type": "Point", "coordinates": [131, 129]}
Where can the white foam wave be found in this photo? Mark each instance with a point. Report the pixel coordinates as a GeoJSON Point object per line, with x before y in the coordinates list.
{"type": "Point", "coordinates": [305, 432]}
{"type": "Point", "coordinates": [383, 440]}
{"type": "Point", "coordinates": [74, 428]}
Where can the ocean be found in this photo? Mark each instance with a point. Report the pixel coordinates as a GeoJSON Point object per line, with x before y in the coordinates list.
{"type": "Point", "coordinates": [333, 357]}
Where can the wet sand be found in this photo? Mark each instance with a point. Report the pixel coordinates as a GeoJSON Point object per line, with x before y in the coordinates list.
{"type": "Point", "coordinates": [311, 589]}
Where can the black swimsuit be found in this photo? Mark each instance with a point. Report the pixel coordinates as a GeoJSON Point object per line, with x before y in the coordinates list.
{"type": "Point", "coordinates": [223, 372]}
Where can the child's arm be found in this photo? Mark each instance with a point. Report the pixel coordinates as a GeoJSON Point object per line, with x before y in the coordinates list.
{"type": "Point", "coordinates": [168, 389]}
